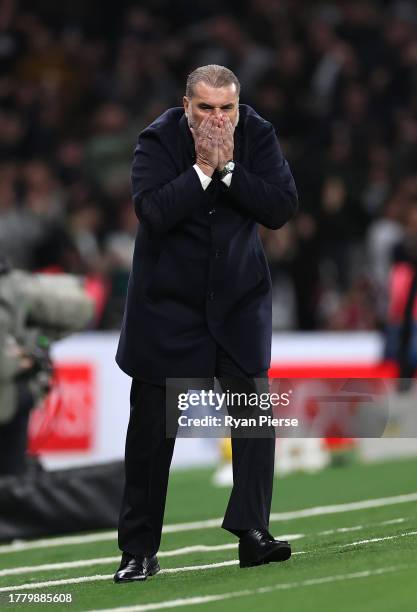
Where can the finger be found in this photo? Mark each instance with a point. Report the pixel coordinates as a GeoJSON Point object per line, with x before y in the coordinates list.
{"type": "Point", "coordinates": [225, 137]}
{"type": "Point", "coordinates": [212, 131]}
{"type": "Point", "coordinates": [219, 135]}
{"type": "Point", "coordinates": [209, 136]}
{"type": "Point", "coordinates": [203, 125]}
{"type": "Point", "coordinates": [202, 133]}
{"type": "Point", "coordinates": [229, 127]}
{"type": "Point", "coordinates": [208, 127]}
{"type": "Point", "coordinates": [228, 138]}
{"type": "Point", "coordinates": [208, 121]}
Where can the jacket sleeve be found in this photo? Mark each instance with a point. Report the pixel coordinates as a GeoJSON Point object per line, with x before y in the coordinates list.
{"type": "Point", "coordinates": [161, 196]}
{"type": "Point", "coordinates": [267, 192]}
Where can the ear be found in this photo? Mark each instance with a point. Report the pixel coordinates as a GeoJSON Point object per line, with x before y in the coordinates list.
{"type": "Point", "coordinates": [186, 104]}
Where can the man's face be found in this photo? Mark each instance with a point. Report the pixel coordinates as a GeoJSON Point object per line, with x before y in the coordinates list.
{"type": "Point", "coordinates": [215, 101]}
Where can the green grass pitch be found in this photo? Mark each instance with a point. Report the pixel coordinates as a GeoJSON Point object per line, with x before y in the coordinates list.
{"type": "Point", "coordinates": [346, 557]}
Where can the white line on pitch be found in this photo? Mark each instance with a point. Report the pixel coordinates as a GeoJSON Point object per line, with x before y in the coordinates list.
{"type": "Point", "coordinates": [359, 527]}
{"type": "Point", "coordinates": [108, 560]}
{"type": "Point", "coordinates": [275, 517]}
{"type": "Point", "coordinates": [173, 570]}
{"type": "Point", "coordinates": [18, 545]}
{"type": "Point", "coordinates": [13, 571]}
{"type": "Point", "coordinates": [98, 577]}
{"type": "Point", "coordinates": [371, 540]}
{"type": "Point", "coordinates": [189, 601]}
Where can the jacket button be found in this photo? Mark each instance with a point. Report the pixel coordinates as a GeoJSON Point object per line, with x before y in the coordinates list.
{"type": "Point", "coordinates": [212, 211]}
{"type": "Point", "coordinates": [217, 253]}
{"type": "Point", "coordinates": [211, 295]}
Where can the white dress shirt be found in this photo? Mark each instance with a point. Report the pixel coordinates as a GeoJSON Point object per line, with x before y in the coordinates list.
{"type": "Point", "coordinates": [206, 180]}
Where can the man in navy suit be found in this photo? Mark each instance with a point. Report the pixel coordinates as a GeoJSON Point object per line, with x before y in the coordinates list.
{"type": "Point", "coordinates": [199, 301]}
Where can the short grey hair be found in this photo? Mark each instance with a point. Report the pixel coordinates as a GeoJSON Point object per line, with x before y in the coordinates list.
{"type": "Point", "coordinates": [213, 75]}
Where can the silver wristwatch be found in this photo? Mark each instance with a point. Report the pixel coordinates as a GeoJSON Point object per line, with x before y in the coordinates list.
{"type": "Point", "coordinates": [228, 169]}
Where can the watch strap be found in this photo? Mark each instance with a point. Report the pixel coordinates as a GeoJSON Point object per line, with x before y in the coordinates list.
{"type": "Point", "coordinates": [227, 170]}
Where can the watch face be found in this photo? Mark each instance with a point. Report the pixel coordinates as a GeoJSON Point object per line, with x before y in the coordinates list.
{"type": "Point", "coordinates": [230, 166]}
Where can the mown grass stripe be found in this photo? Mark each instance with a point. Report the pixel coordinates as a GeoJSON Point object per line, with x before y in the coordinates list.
{"type": "Point", "coordinates": [98, 577]}
{"type": "Point", "coordinates": [185, 550]}
{"type": "Point", "coordinates": [192, 601]}
{"type": "Point", "coordinates": [198, 548]}
{"type": "Point", "coordinates": [179, 527]}
{"type": "Point", "coordinates": [49, 583]}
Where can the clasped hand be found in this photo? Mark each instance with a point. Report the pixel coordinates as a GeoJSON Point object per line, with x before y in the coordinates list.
{"type": "Point", "coordinates": [214, 143]}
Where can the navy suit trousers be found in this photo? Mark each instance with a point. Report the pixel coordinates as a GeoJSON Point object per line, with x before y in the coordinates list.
{"type": "Point", "coordinates": [148, 455]}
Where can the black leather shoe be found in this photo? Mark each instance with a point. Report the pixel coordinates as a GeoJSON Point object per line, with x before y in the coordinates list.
{"type": "Point", "coordinates": [257, 547]}
{"type": "Point", "coordinates": [136, 568]}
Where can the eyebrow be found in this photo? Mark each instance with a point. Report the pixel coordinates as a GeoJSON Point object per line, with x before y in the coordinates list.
{"type": "Point", "coordinates": [201, 104]}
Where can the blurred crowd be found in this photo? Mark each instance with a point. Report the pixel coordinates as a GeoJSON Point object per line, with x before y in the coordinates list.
{"type": "Point", "coordinates": [338, 79]}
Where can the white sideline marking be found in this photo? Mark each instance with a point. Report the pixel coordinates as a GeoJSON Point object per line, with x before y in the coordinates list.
{"type": "Point", "coordinates": [107, 560]}
{"type": "Point", "coordinates": [27, 569]}
{"type": "Point", "coordinates": [13, 571]}
{"type": "Point", "coordinates": [173, 570]}
{"type": "Point", "coordinates": [348, 507]}
{"type": "Point", "coordinates": [18, 545]}
{"type": "Point", "coordinates": [359, 527]}
{"type": "Point", "coordinates": [275, 517]}
{"type": "Point", "coordinates": [371, 540]}
{"type": "Point", "coordinates": [189, 601]}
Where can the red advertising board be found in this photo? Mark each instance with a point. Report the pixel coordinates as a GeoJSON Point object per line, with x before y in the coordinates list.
{"type": "Point", "coordinates": [65, 421]}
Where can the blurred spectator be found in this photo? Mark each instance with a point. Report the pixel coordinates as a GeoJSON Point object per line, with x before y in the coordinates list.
{"type": "Point", "coordinates": [119, 245]}
{"type": "Point", "coordinates": [109, 149]}
{"type": "Point", "coordinates": [401, 329]}
{"type": "Point", "coordinates": [385, 233]}
{"type": "Point", "coordinates": [337, 79]}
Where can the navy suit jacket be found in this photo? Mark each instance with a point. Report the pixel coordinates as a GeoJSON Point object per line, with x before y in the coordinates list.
{"type": "Point", "coordinates": [199, 275]}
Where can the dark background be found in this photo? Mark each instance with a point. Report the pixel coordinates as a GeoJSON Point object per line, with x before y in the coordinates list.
{"type": "Point", "coordinates": [79, 80]}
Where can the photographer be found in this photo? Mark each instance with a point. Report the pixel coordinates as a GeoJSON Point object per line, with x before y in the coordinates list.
{"type": "Point", "coordinates": [34, 310]}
